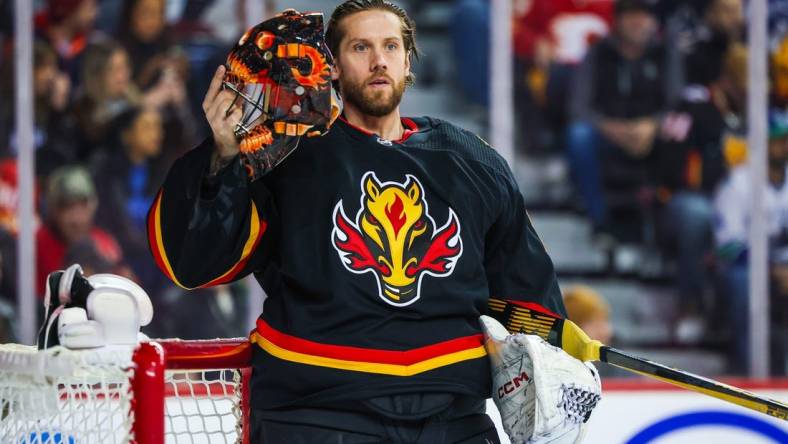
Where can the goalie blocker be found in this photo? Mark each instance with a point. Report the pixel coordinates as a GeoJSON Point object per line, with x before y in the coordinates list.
{"type": "Point", "coordinates": [543, 394]}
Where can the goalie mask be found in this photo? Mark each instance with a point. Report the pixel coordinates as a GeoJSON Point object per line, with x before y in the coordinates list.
{"type": "Point", "coordinates": [281, 70]}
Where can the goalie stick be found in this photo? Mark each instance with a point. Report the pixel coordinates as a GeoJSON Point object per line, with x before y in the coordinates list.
{"type": "Point", "coordinates": [530, 318]}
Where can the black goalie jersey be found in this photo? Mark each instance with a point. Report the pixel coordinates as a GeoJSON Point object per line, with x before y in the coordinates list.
{"type": "Point", "coordinates": [377, 257]}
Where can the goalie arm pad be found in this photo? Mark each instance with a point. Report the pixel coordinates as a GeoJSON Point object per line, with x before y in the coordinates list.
{"type": "Point", "coordinates": [209, 231]}
{"type": "Point", "coordinates": [543, 394]}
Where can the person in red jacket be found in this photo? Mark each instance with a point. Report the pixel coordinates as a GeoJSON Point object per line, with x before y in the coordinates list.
{"type": "Point", "coordinates": [560, 30]}
{"type": "Point", "coordinates": [67, 26]}
{"type": "Point", "coordinates": [550, 40]}
{"type": "Point", "coordinates": [71, 204]}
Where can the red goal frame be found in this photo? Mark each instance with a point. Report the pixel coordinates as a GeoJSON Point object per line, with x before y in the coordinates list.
{"type": "Point", "coordinates": [153, 358]}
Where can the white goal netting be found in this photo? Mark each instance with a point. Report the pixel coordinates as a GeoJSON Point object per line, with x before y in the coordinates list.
{"type": "Point", "coordinates": [203, 406]}
{"type": "Point", "coordinates": [61, 396]}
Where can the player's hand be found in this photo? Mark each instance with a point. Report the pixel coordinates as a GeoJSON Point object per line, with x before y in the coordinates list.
{"type": "Point", "coordinates": [215, 105]}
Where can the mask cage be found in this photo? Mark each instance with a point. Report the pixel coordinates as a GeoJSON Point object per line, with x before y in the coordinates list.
{"type": "Point", "coordinates": [256, 101]}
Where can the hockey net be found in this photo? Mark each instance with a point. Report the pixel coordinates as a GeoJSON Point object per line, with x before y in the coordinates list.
{"type": "Point", "coordinates": [169, 391]}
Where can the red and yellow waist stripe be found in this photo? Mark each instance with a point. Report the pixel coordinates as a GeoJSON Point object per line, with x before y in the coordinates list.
{"type": "Point", "coordinates": [368, 360]}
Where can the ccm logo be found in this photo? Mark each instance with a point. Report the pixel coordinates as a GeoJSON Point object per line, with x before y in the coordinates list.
{"type": "Point", "coordinates": [512, 385]}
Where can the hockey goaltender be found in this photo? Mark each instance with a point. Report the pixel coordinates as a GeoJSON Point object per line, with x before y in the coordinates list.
{"type": "Point", "coordinates": [378, 243]}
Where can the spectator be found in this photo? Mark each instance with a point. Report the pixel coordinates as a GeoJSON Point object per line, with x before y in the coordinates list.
{"type": "Point", "coordinates": [67, 25]}
{"type": "Point", "coordinates": [106, 92]}
{"type": "Point", "coordinates": [722, 24]}
{"type": "Point", "coordinates": [53, 142]}
{"type": "Point", "coordinates": [472, 17]}
{"type": "Point", "coordinates": [779, 73]}
{"type": "Point", "coordinates": [143, 32]}
{"type": "Point", "coordinates": [92, 261]}
{"type": "Point", "coordinates": [9, 197]}
{"type": "Point", "coordinates": [559, 31]}
{"type": "Point", "coordinates": [625, 82]}
{"type": "Point", "coordinates": [127, 182]}
{"type": "Point", "coordinates": [70, 208]}
{"type": "Point", "coordinates": [586, 308]}
{"type": "Point", "coordinates": [732, 234]}
{"type": "Point", "coordinates": [550, 40]}
{"type": "Point", "coordinates": [697, 142]}
{"type": "Point", "coordinates": [160, 68]}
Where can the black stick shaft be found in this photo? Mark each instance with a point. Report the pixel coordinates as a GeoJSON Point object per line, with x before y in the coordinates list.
{"type": "Point", "coordinates": [695, 383]}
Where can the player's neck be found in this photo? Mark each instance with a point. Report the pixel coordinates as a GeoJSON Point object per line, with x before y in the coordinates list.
{"type": "Point", "coordinates": [388, 127]}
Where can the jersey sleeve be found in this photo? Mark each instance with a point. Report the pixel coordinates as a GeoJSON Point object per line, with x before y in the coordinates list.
{"type": "Point", "coordinates": [209, 231]}
{"type": "Point", "coordinates": [516, 262]}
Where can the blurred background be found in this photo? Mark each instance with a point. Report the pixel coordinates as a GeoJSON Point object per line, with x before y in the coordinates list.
{"type": "Point", "coordinates": [625, 122]}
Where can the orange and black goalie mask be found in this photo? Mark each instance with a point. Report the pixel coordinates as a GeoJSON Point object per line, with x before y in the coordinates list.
{"type": "Point", "coordinates": [281, 71]}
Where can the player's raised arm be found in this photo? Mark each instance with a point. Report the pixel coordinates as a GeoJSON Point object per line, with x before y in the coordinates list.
{"type": "Point", "coordinates": [210, 222]}
{"type": "Point", "coordinates": [207, 228]}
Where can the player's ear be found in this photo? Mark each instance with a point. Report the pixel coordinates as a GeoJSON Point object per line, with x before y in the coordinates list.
{"type": "Point", "coordinates": [407, 63]}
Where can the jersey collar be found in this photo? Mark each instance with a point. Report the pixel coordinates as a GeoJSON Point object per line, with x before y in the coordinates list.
{"type": "Point", "coordinates": [409, 125]}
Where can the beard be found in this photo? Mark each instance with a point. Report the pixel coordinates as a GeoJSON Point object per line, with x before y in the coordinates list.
{"type": "Point", "coordinates": [373, 103]}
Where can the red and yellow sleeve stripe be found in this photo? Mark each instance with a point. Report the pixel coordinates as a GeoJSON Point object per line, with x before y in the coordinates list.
{"type": "Point", "coordinates": [257, 228]}
{"type": "Point", "coordinates": [368, 360]}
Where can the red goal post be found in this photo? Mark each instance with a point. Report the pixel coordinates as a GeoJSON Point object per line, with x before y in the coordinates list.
{"type": "Point", "coordinates": [161, 391]}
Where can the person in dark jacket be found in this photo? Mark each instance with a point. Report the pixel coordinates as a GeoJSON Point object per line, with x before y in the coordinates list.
{"type": "Point", "coordinates": [160, 68]}
{"type": "Point", "coordinates": [624, 84]}
{"type": "Point", "coordinates": [126, 178]}
{"type": "Point", "coordinates": [699, 141]}
{"type": "Point", "coordinates": [53, 131]}
{"type": "Point", "coordinates": [722, 24]}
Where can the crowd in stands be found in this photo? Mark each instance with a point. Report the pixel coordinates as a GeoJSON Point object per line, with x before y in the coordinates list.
{"type": "Point", "coordinates": [646, 102]}
{"type": "Point", "coordinates": [114, 107]}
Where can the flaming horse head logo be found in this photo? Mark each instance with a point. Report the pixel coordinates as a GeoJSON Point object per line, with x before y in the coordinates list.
{"type": "Point", "coordinates": [395, 238]}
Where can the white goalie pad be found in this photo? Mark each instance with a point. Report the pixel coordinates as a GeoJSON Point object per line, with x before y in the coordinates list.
{"type": "Point", "coordinates": [543, 394]}
{"type": "Point", "coordinates": [118, 313]}
{"type": "Point", "coordinates": [94, 311]}
{"type": "Point", "coordinates": [114, 281]}
{"type": "Point", "coordinates": [75, 331]}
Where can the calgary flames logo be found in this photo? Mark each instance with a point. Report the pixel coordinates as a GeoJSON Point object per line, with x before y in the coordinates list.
{"type": "Point", "coordinates": [395, 238]}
